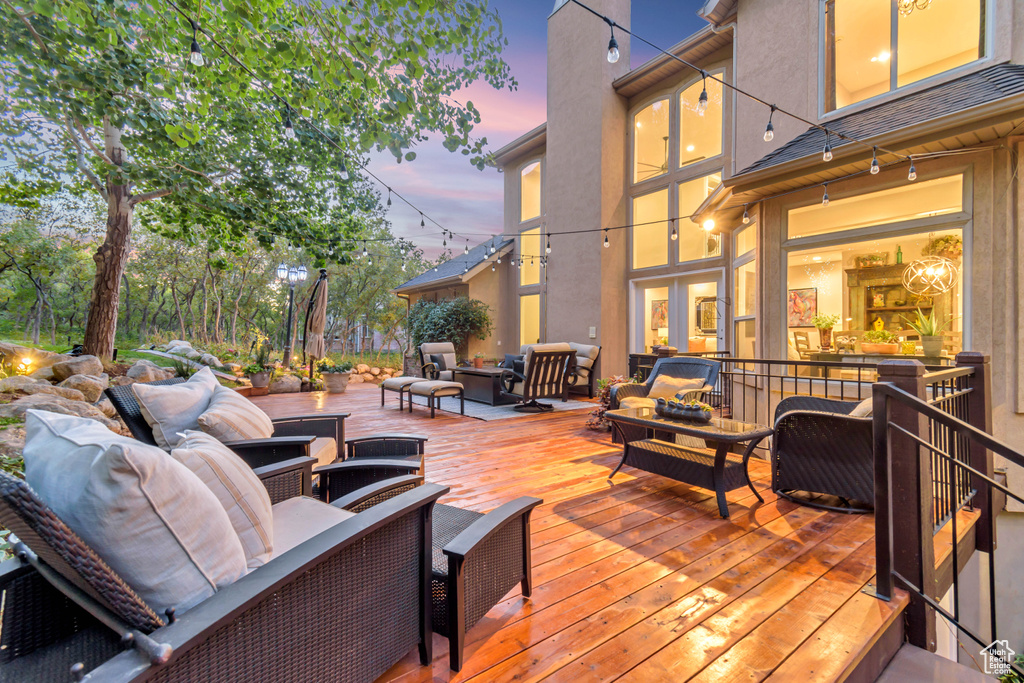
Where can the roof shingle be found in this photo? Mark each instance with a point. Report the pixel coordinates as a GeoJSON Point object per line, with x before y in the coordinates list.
{"type": "Point", "coordinates": [457, 265]}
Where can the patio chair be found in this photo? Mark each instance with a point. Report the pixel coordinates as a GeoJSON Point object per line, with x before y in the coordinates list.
{"type": "Point", "coordinates": [586, 362]}
{"type": "Point", "coordinates": [67, 613]}
{"type": "Point", "coordinates": [820, 448]}
{"type": "Point", "coordinates": [317, 436]}
{"type": "Point", "coordinates": [437, 360]}
{"type": "Point", "coordinates": [548, 370]}
{"type": "Point", "coordinates": [682, 367]}
{"type": "Point", "coordinates": [477, 559]}
{"type": "Point", "coordinates": [409, 447]}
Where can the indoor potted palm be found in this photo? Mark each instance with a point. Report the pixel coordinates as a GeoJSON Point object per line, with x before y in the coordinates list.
{"type": "Point", "coordinates": [825, 322]}
{"type": "Point", "coordinates": [879, 341]}
{"type": "Point", "coordinates": [335, 375]}
{"type": "Point", "coordinates": [930, 330]}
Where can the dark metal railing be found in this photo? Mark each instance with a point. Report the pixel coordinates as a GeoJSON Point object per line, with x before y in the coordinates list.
{"type": "Point", "coordinates": [950, 392]}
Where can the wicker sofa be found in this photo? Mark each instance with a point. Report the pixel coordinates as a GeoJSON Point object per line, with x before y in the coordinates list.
{"type": "Point", "coordinates": [304, 616]}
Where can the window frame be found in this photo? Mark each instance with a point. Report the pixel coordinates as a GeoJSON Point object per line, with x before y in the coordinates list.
{"type": "Point", "coordinates": [672, 134]}
{"type": "Point", "coordinates": [987, 43]}
{"type": "Point", "coordinates": [519, 192]}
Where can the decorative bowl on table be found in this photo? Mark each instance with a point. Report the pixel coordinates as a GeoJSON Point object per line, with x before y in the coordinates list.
{"type": "Point", "coordinates": [691, 411]}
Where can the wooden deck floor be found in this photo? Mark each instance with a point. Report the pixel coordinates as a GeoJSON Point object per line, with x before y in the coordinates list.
{"type": "Point", "coordinates": [640, 580]}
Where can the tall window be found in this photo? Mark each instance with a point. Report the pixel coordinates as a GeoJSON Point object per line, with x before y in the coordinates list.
{"type": "Point", "coordinates": [694, 242]}
{"type": "Point", "coordinates": [650, 229]}
{"type": "Point", "coordinates": [700, 136]}
{"type": "Point", "coordinates": [744, 298]}
{"type": "Point", "coordinates": [529, 319]}
{"type": "Point", "coordinates": [872, 47]}
{"type": "Point", "coordinates": [529, 191]}
{"type": "Point", "coordinates": [529, 255]}
{"type": "Point", "coordinates": [650, 141]}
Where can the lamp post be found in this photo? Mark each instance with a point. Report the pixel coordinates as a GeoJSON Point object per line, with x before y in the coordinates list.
{"type": "Point", "coordinates": [292, 276]}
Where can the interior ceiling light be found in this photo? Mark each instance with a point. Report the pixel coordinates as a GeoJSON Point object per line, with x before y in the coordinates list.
{"type": "Point", "coordinates": [931, 275]}
{"type": "Point", "coordinates": [882, 57]}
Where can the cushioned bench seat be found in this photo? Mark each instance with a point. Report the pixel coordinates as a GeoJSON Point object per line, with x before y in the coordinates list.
{"type": "Point", "coordinates": [434, 390]}
{"type": "Point", "coordinates": [399, 384]}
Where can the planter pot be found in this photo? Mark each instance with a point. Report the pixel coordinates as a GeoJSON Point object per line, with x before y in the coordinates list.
{"type": "Point", "coordinates": [932, 346]}
{"type": "Point", "coordinates": [868, 347]}
{"type": "Point", "coordinates": [260, 379]}
{"type": "Point", "coordinates": [478, 363]}
{"type": "Point", "coordinates": [825, 338]}
{"type": "Point", "coordinates": [336, 382]}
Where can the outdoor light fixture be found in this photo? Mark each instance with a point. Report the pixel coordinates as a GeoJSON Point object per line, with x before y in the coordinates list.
{"type": "Point", "coordinates": [547, 249]}
{"type": "Point", "coordinates": [709, 225]}
{"type": "Point", "coordinates": [403, 266]}
{"type": "Point", "coordinates": [931, 275]}
{"type": "Point", "coordinates": [282, 272]}
{"type": "Point", "coordinates": [746, 216]}
{"type": "Point", "coordinates": [196, 54]}
{"type": "Point", "coordinates": [912, 175]}
{"type": "Point", "coordinates": [292, 276]}
{"type": "Point", "coordinates": [422, 224]}
{"type": "Point", "coordinates": [826, 154]}
{"type": "Point", "coordinates": [343, 170]}
{"type": "Point", "coordinates": [769, 130]}
{"type": "Point", "coordinates": [289, 132]}
{"type": "Point", "coordinates": [613, 49]}
{"type": "Point", "coordinates": [824, 198]}
{"type": "Point", "coordinates": [606, 243]}
{"type": "Point", "coordinates": [874, 161]}
{"type": "Point", "coordinates": [492, 267]}
{"type": "Point", "coordinates": [365, 253]}
{"type": "Point", "coordinates": [702, 101]}
{"type": "Point", "coordinates": [467, 246]}
{"type": "Point", "coordinates": [389, 197]}
{"type": "Point", "coordinates": [499, 259]}
{"type": "Point", "coordinates": [675, 235]}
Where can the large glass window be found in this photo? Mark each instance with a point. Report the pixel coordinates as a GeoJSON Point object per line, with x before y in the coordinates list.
{"type": "Point", "coordinates": [866, 57]}
{"type": "Point", "coordinates": [746, 289]}
{"type": "Point", "coordinates": [529, 257]}
{"type": "Point", "coordinates": [529, 191]}
{"type": "Point", "coordinates": [922, 199]}
{"type": "Point", "coordinates": [700, 135]}
{"type": "Point", "coordinates": [529, 319]}
{"type": "Point", "coordinates": [650, 141]}
{"type": "Point", "coordinates": [746, 240]}
{"type": "Point", "coordinates": [650, 230]}
{"type": "Point", "coordinates": [694, 242]}
{"type": "Point", "coordinates": [657, 317]}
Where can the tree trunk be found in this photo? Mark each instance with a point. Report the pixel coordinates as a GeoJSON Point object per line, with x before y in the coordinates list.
{"type": "Point", "coordinates": [110, 258]}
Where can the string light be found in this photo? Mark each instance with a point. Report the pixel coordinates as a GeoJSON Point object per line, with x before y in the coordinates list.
{"type": "Point", "coordinates": [343, 170]}
{"type": "Point", "coordinates": [824, 197]}
{"type": "Point", "coordinates": [445, 242]}
{"type": "Point", "coordinates": [826, 154]}
{"type": "Point", "coordinates": [675, 235]}
{"type": "Point", "coordinates": [874, 161]}
{"type": "Point", "coordinates": [606, 243]}
{"type": "Point", "coordinates": [289, 132]}
{"type": "Point", "coordinates": [709, 225]}
{"type": "Point", "coordinates": [422, 224]}
{"type": "Point", "coordinates": [499, 259]}
{"type": "Point", "coordinates": [467, 247]}
{"type": "Point", "coordinates": [512, 261]}
{"type": "Point", "coordinates": [746, 216]}
{"type": "Point", "coordinates": [365, 253]}
{"type": "Point", "coordinates": [492, 245]}
{"type": "Point", "coordinates": [702, 101]}
{"type": "Point", "coordinates": [195, 55]}
{"type": "Point", "coordinates": [389, 197]}
{"type": "Point", "coordinates": [547, 249]}
{"type": "Point", "coordinates": [912, 175]}
{"type": "Point", "coordinates": [769, 130]}
{"type": "Point", "coordinates": [613, 46]}
{"type": "Point", "coordinates": [492, 267]}
{"type": "Point", "coordinates": [403, 266]}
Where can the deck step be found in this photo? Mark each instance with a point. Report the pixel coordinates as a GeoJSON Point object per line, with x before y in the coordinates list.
{"type": "Point", "coordinates": [914, 664]}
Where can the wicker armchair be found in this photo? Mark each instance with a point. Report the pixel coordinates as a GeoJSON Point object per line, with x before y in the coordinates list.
{"type": "Point", "coordinates": [293, 436]}
{"type": "Point", "coordinates": [686, 367]}
{"type": "Point", "coordinates": [67, 613]}
{"type": "Point", "coordinates": [547, 373]}
{"type": "Point", "coordinates": [477, 559]}
{"type": "Point", "coordinates": [819, 448]}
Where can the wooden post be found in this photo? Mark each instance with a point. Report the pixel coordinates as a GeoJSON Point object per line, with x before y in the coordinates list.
{"type": "Point", "coordinates": [979, 415]}
{"type": "Point", "coordinates": [911, 503]}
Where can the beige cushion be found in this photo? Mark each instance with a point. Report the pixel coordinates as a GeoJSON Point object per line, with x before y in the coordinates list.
{"type": "Point", "coordinates": [324, 449]}
{"type": "Point", "coordinates": [637, 402]}
{"type": "Point", "coordinates": [791, 352]}
{"type": "Point", "coordinates": [151, 519]}
{"type": "Point", "coordinates": [437, 388]}
{"type": "Point", "coordinates": [396, 383]}
{"type": "Point", "coordinates": [298, 519]}
{"type": "Point", "coordinates": [238, 490]}
{"type": "Point", "coordinates": [170, 410]}
{"type": "Point", "coordinates": [863, 408]}
{"type": "Point", "coordinates": [232, 417]}
{"type": "Point", "coordinates": [667, 387]}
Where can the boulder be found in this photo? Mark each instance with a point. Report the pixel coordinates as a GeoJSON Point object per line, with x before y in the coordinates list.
{"type": "Point", "coordinates": [374, 371]}
{"type": "Point", "coordinates": [192, 354]}
{"type": "Point", "coordinates": [91, 387]}
{"type": "Point", "coordinates": [368, 377]}
{"type": "Point", "coordinates": [233, 367]}
{"type": "Point", "coordinates": [210, 360]}
{"type": "Point", "coordinates": [355, 379]}
{"type": "Point", "coordinates": [123, 381]}
{"type": "Point", "coordinates": [18, 382]}
{"type": "Point", "coordinates": [56, 404]}
{"type": "Point", "coordinates": [286, 384]}
{"type": "Point", "coordinates": [179, 342]}
{"type": "Point", "coordinates": [362, 368]}
{"type": "Point", "coordinates": [82, 365]}
{"type": "Point", "coordinates": [15, 354]}
{"type": "Point", "coordinates": [146, 371]}
{"type": "Point", "coordinates": [179, 350]}
{"type": "Point", "coordinates": [12, 441]}
{"type": "Point", "coordinates": [45, 374]}
{"type": "Point", "coordinates": [63, 392]}
{"type": "Point", "coordinates": [106, 407]}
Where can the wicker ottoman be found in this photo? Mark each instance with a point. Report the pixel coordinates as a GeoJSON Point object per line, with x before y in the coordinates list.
{"type": "Point", "coordinates": [399, 384]}
{"type": "Point", "coordinates": [434, 390]}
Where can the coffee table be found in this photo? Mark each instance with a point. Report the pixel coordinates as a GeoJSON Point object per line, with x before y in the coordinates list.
{"type": "Point", "coordinates": [714, 468]}
{"type": "Point", "coordinates": [482, 385]}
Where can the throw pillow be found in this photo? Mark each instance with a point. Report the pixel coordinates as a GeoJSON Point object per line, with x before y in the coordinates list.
{"type": "Point", "coordinates": [232, 417]}
{"type": "Point", "coordinates": [863, 409]}
{"type": "Point", "coordinates": [637, 402]}
{"type": "Point", "coordinates": [152, 520]}
{"type": "Point", "coordinates": [439, 360]}
{"type": "Point", "coordinates": [668, 387]}
{"type": "Point", "coordinates": [170, 410]}
{"type": "Point", "coordinates": [238, 489]}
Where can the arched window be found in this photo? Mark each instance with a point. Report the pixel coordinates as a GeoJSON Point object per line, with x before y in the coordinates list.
{"type": "Point", "coordinates": [650, 141]}
{"type": "Point", "coordinates": [700, 135]}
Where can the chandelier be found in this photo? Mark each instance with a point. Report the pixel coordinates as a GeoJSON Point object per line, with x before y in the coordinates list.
{"type": "Point", "coordinates": [908, 6]}
{"type": "Point", "coordinates": [931, 275]}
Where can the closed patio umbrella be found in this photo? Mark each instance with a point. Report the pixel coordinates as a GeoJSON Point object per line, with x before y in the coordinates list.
{"type": "Point", "coordinates": [316, 319]}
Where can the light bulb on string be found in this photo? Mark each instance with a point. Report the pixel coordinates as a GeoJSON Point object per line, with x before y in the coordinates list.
{"type": "Point", "coordinates": [702, 101]}
{"type": "Point", "coordinates": [343, 170]}
{"type": "Point", "coordinates": [547, 249]}
{"type": "Point", "coordinates": [606, 243]}
{"type": "Point", "coordinates": [874, 161]}
{"type": "Point", "coordinates": [746, 216]}
{"type": "Point", "coordinates": [912, 175]}
{"type": "Point", "coordinates": [769, 130]}
{"type": "Point", "coordinates": [365, 253]}
{"type": "Point", "coordinates": [492, 246]}
{"type": "Point", "coordinates": [403, 266]}
{"type": "Point", "coordinates": [824, 197]}
{"type": "Point", "coordinates": [289, 132]}
{"type": "Point", "coordinates": [492, 267]}
{"type": "Point", "coordinates": [826, 154]}
{"type": "Point", "coordinates": [422, 224]}
{"type": "Point", "coordinates": [709, 225]}
{"type": "Point", "coordinates": [445, 242]}
{"type": "Point", "coordinates": [543, 262]}
{"type": "Point", "coordinates": [195, 55]}
{"type": "Point", "coordinates": [613, 48]}
{"type": "Point", "coordinates": [675, 235]}
{"type": "Point", "coordinates": [389, 197]}
{"type": "Point", "coordinates": [466, 248]}
{"type": "Point", "coordinates": [499, 259]}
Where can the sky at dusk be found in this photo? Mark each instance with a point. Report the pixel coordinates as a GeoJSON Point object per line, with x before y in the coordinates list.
{"type": "Point", "coordinates": [468, 201]}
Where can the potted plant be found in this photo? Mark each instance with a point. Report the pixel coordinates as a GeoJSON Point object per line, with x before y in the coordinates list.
{"type": "Point", "coordinates": [930, 330]}
{"type": "Point", "coordinates": [825, 322]}
{"type": "Point", "coordinates": [478, 360]}
{"type": "Point", "coordinates": [335, 375]}
{"type": "Point", "coordinates": [261, 370]}
{"type": "Point", "coordinates": [604, 396]}
{"type": "Point", "coordinates": [947, 246]}
{"type": "Point", "coordinates": [879, 341]}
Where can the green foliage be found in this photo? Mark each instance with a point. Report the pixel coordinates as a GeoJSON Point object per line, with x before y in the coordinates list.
{"type": "Point", "coordinates": [927, 325]}
{"type": "Point", "coordinates": [449, 320]}
{"type": "Point", "coordinates": [182, 368]}
{"type": "Point", "coordinates": [825, 321]}
{"type": "Point", "coordinates": [880, 337]}
{"type": "Point", "coordinates": [328, 366]}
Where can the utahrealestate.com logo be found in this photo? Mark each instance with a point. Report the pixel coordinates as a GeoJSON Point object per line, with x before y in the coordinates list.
{"type": "Point", "coordinates": [998, 658]}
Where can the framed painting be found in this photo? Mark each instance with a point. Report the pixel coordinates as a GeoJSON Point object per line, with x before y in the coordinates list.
{"type": "Point", "coordinates": [802, 306]}
{"type": "Point", "coordinates": [659, 314]}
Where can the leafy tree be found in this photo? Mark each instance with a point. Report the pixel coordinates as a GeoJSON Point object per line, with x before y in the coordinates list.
{"type": "Point", "coordinates": [103, 91]}
{"type": "Point", "coordinates": [449, 320]}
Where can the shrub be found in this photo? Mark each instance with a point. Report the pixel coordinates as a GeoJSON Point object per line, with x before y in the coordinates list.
{"type": "Point", "coordinates": [880, 337]}
{"type": "Point", "coordinates": [450, 320]}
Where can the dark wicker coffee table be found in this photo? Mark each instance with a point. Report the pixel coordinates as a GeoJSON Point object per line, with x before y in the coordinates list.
{"type": "Point", "coordinates": [714, 468]}
{"type": "Point", "coordinates": [482, 385]}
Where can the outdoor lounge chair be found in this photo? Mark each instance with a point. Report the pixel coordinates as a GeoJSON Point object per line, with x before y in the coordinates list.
{"type": "Point", "coordinates": [819, 448]}
{"type": "Point", "coordinates": [586, 362]}
{"type": "Point", "coordinates": [548, 370]}
{"type": "Point", "coordinates": [683, 367]}
{"type": "Point", "coordinates": [441, 367]}
{"type": "Point", "coordinates": [67, 613]}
